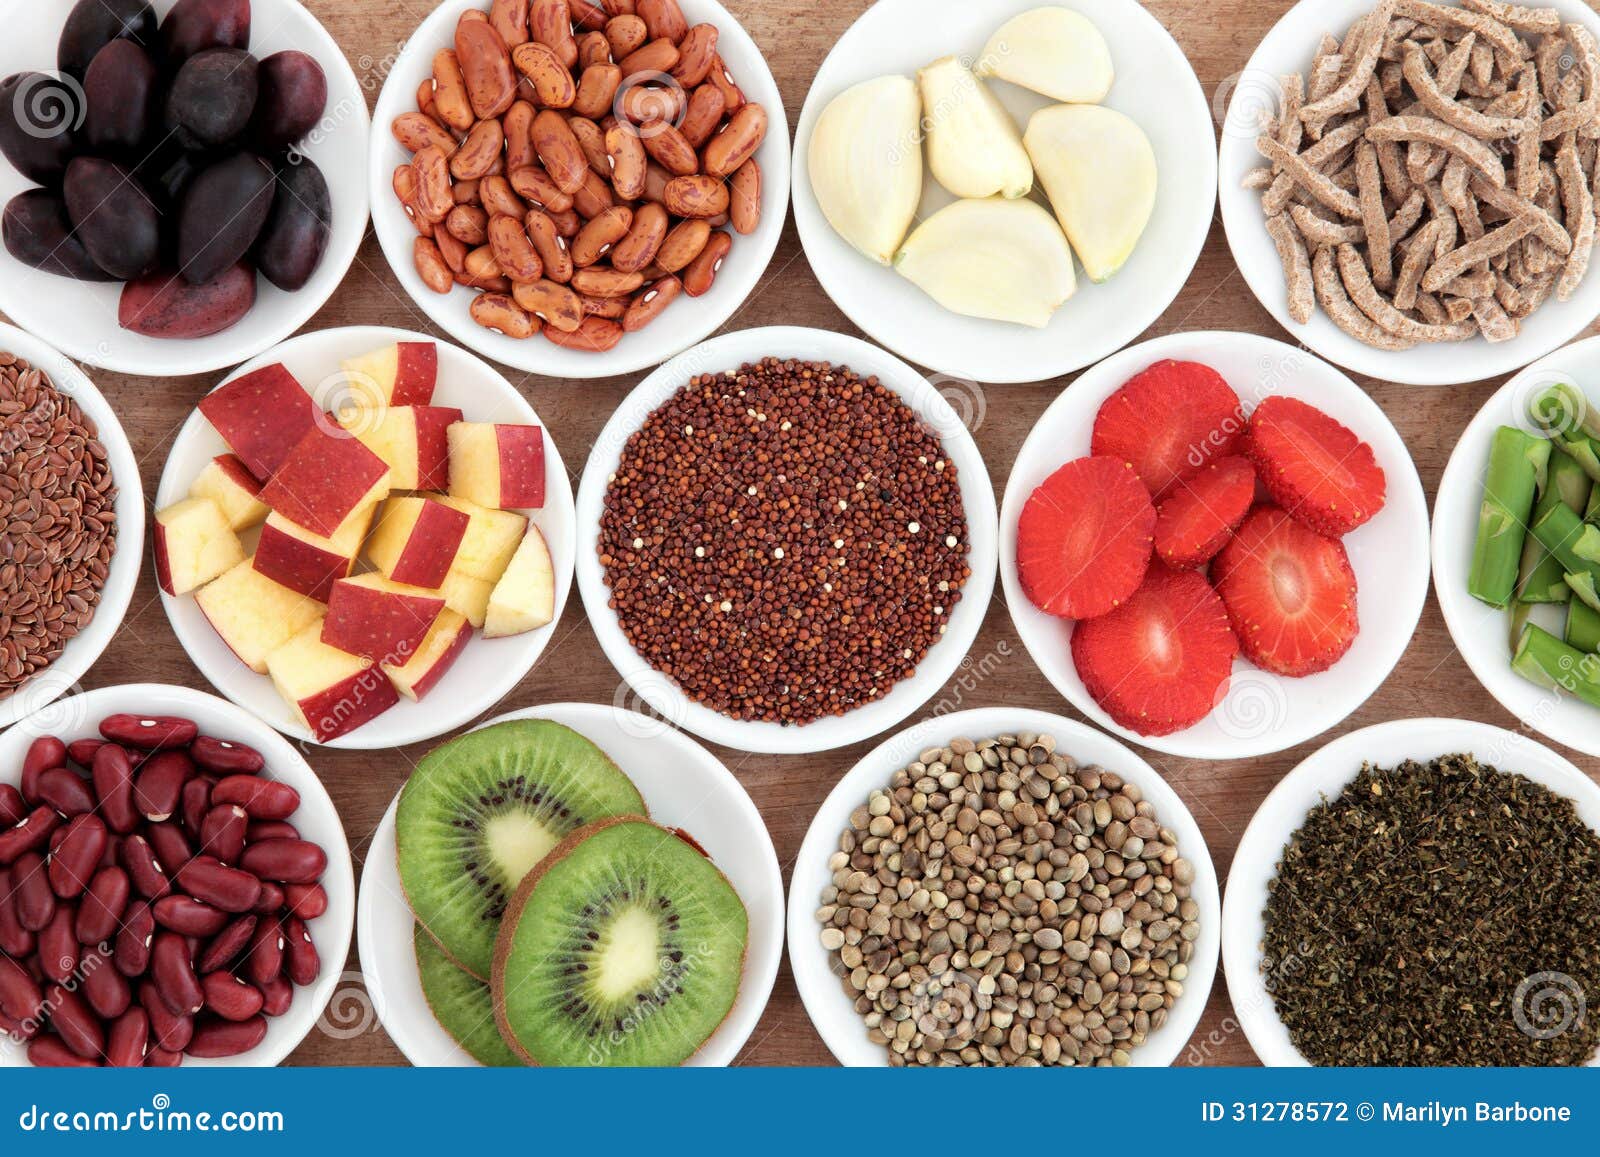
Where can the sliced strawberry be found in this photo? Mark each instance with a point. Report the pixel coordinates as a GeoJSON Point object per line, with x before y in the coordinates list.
{"type": "Point", "coordinates": [1160, 662]}
{"type": "Point", "coordinates": [1290, 594]}
{"type": "Point", "coordinates": [1313, 467]}
{"type": "Point", "coordinates": [1201, 513]}
{"type": "Point", "coordinates": [1083, 541]}
{"type": "Point", "coordinates": [1168, 422]}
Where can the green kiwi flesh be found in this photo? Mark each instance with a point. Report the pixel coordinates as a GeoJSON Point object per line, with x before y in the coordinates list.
{"type": "Point", "coordinates": [461, 1004]}
{"type": "Point", "coordinates": [481, 811]}
{"type": "Point", "coordinates": [625, 947]}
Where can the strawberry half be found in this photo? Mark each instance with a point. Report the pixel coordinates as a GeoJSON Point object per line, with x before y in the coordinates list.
{"type": "Point", "coordinates": [1313, 467]}
{"type": "Point", "coordinates": [1169, 422]}
{"type": "Point", "coordinates": [1201, 514]}
{"type": "Point", "coordinates": [1290, 594]}
{"type": "Point", "coordinates": [1083, 541]}
{"type": "Point", "coordinates": [1160, 662]}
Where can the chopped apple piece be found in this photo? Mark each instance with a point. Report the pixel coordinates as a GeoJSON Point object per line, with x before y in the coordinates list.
{"type": "Point", "coordinates": [974, 148]}
{"type": "Point", "coordinates": [331, 692]}
{"type": "Point", "coordinates": [467, 596]}
{"type": "Point", "coordinates": [402, 374]}
{"type": "Point", "coordinates": [262, 417]}
{"type": "Point", "coordinates": [309, 563]}
{"type": "Point", "coordinates": [417, 539]}
{"type": "Point", "coordinates": [385, 621]}
{"type": "Point", "coordinates": [491, 539]}
{"type": "Point", "coordinates": [525, 597]}
{"type": "Point", "coordinates": [497, 465]}
{"type": "Point", "coordinates": [447, 638]}
{"type": "Point", "coordinates": [194, 544]}
{"type": "Point", "coordinates": [234, 489]}
{"type": "Point", "coordinates": [1099, 171]}
{"type": "Point", "coordinates": [1054, 51]}
{"type": "Point", "coordinates": [1001, 260]}
{"type": "Point", "coordinates": [413, 440]}
{"type": "Point", "coordinates": [865, 164]}
{"type": "Point", "coordinates": [328, 477]}
{"type": "Point", "coordinates": [253, 614]}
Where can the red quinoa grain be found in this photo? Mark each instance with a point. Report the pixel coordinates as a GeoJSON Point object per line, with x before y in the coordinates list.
{"type": "Point", "coordinates": [786, 542]}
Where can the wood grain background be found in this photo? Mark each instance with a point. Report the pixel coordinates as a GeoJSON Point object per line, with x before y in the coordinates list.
{"type": "Point", "coordinates": [1218, 36]}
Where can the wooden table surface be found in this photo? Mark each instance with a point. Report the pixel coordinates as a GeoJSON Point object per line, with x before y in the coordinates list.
{"type": "Point", "coordinates": [1218, 36]}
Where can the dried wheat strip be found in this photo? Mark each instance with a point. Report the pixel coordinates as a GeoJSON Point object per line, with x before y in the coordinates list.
{"type": "Point", "coordinates": [1358, 284]}
{"type": "Point", "coordinates": [1458, 309]}
{"type": "Point", "coordinates": [1291, 129]}
{"type": "Point", "coordinates": [1529, 21]}
{"type": "Point", "coordinates": [1586, 114]}
{"type": "Point", "coordinates": [1482, 66]}
{"type": "Point", "coordinates": [1493, 321]}
{"type": "Point", "coordinates": [1579, 204]}
{"type": "Point", "coordinates": [1477, 154]}
{"type": "Point", "coordinates": [1395, 179]}
{"type": "Point", "coordinates": [1509, 296]}
{"type": "Point", "coordinates": [1362, 68]}
{"type": "Point", "coordinates": [1487, 27]}
{"type": "Point", "coordinates": [1374, 218]}
{"type": "Point", "coordinates": [1547, 60]}
{"type": "Point", "coordinates": [1296, 267]}
{"type": "Point", "coordinates": [1453, 112]}
{"type": "Point", "coordinates": [1309, 178]}
{"type": "Point", "coordinates": [1514, 205]}
{"type": "Point", "coordinates": [1431, 310]}
{"type": "Point", "coordinates": [1400, 28]}
{"type": "Point", "coordinates": [1535, 292]}
{"type": "Point", "coordinates": [1479, 283]}
{"type": "Point", "coordinates": [1453, 264]}
{"type": "Point", "coordinates": [1342, 311]}
{"type": "Point", "coordinates": [1258, 179]}
{"type": "Point", "coordinates": [1277, 198]}
{"type": "Point", "coordinates": [1418, 256]}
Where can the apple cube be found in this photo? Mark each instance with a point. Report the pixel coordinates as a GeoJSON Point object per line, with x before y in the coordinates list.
{"type": "Point", "coordinates": [327, 477]}
{"type": "Point", "coordinates": [262, 416]}
{"type": "Point", "coordinates": [381, 620]}
{"type": "Point", "coordinates": [253, 614]}
{"type": "Point", "coordinates": [491, 539]}
{"type": "Point", "coordinates": [467, 596]}
{"type": "Point", "coordinates": [445, 641]}
{"type": "Point", "coordinates": [416, 540]}
{"type": "Point", "coordinates": [497, 465]}
{"type": "Point", "coordinates": [411, 439]}
{"type": "Point", "coordinates": [194, 544]}
{"type": "Point", "coordinates": [402, 374]}
{"type": "Point", "coordinates": [234, 489]}
{"type": "Point", "coordinates": [525, 597]}
{"type": "Point", "coordinates": [309, 563]}
{"type": "Point", "coordinates": [332, 692]}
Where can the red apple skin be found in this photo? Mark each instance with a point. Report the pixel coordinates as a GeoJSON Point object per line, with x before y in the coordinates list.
{"type": "Point", "coordinates": [432, 547]}
{"type": "Point", "coordinates": [416, 373]}
{"type": "Point", "coordinates": [383, 626]}
{"type": "Point", "coordinates": [521, 467]}
{"type": "Point", "coordinates": [163, 563]}
{"type": "Point", "coordinates": [239, 473]}
{"type": "Point", "coordinates": [298, 565]}
{"type": "Point", "coordinates": [323, 480]}
{"type": "Point", "coordinates": [433, 445]}
{"type": "Point", "coordinates": [348, 704]}
{"type": "Point", "coordinates": [447, 660]}
{"type": "Point", "coordinates": [262, 416]}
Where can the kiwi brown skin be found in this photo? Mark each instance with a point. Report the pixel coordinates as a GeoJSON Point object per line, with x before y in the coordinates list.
{"type": "Point", "coordinates": [502, 944]}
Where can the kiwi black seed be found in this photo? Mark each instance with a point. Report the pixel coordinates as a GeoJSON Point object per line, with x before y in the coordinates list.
{"type": "Point", "coordinates": [480, 811]}
{"type": "Point", "coordinates": [461, 1004]}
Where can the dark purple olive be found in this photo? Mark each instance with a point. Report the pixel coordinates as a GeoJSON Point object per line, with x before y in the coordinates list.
{"type": "Point", "coordinates": [169, 175]}
{"type": "Point", "coordinates": [212, 97]}
{"type": "Point", "coordinates": [196, 25]}
{"type": "Point", "coordinates": [165, 305]}
{"type": "Point", "coordinates": [294, 93]}
{"type": "Point", "coordinates": [38, 233]}
{"type": "Point", "coordinates": [120, 91]}
{"type": "Point", "coordinates": [296, 234]}
{"type": "Point", "coordinates": [221, 216]}
{"type": "Point", "coordinates": [39, 121]}
{"type": "Point", "coordinates": [114, 217]}
{"type": "Point", "coordinates": [93, 24]}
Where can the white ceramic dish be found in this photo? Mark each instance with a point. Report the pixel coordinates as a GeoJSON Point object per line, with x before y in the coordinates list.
{"type": "Point", "coordinates": [688, 320]}
{"type": "Point", "coordinates": [1261, 713]}
{"type": "Point", "coordinates": [488, 668]}
{"type": "Point", "coordinates": [729, 352]}
{"type": "Point", "coordinates": [1258, 97]}
{"type": "Point", "coordinates": [81, 652]}
{"type": "Point", "coordinates": [1324, 775]}
{"type": "Point", "coordinates": [1155, 85]}
{"type": "Point", "coordinates": [1481, 633]}
{"type": "Point", "coordinates": [684, 786]}
{"type": "Point", "coordinates": [81, 318]}
{"type": "Point", "coordinates": [78, 718]}
{"type": "Point", "coordinates": [838, 1023]}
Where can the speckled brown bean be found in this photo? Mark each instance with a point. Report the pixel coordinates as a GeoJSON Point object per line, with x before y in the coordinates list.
{"type": "Point", "coordinates": [683, 245]}
{"type": "Point", "coordinates": [450, 101]}
{"type": "Point", "coordinates": [703, 116]}
{"type": "Point", "coordinates": [559, 150]}
{"type": "Point", "coordinates": [595, 335]}
{"type": "Point", "coordinates": [416, 131]}
{"type": "Point", "coordinates": [497, 198]}
{"type": "Point", "coordinates": [587, 15]}
{"type": "Point", "coordinates": [744, 197]}
{"type": "Point", "coordinates": [732, 95]}
{"type": "Point", "coordinates": [644, 102]}
{"type": "Point", "coordinates": [568, 223]}
{"type": "Point", "coordinates": [552, 80]}
{"type": "Point", "coordinates": [696, 52]}
{"type": "Point", "coordinates": [628, 161]}
{"type": "Point", "coordinates": [656, 56]}
{"type": "Point", "coordinates": [552, 246]}
{"type": "Point", "coordinates": [625, 33]}
{"type": "Point", "coordinates": [635, 251]}
{"type": "Point", "coordinates": [695, 196]}
{"type": "Point", "coordinates": [433, 197]}
{"type": "Point", "coordinates": [618, 7]}
{"type": "Point", "coordinates": [736, 143]}
{"type": "Point", "coordinates": [550, 22]}
{"type": "Point", "coordinates": [468, 224]}
{"type": "Point", "coordinates": [452, 250]}
{"type": "Point", "coordinates": [534, 184]}
{"type": "Point", "coordinates": [486, 68]}
{"type": "Point", "coordinates": [514, 253]}
{"type": "Point", "coordinates": [593, 49]}
{"type": "Point", "coordinates": [597, 88]}
{"type": "Point", "coordinates": [599, 281]}
{"type": "Point", "coordinates": [465, 192]}
{"type": "Point", "coordinates": [499, 313]}
{"type": "Point", "coordinates": [551, 302]}
{"type": "Point", "coordinates": [481, 265]}
{"type": "Point", "coordinates": [649, 303]}
{"type": "Point", "coordinates": [510, 20]}
{"type": "Point", "coordinates": [594, 198]}
{"type": "Point", "coordinates": [597, 238]}
{"type": "Point", "coordinates": [669, 148]}
{"type": "Point", "coordinates": [592, 140]}
{"type": "Point", "coordinates": [405, 185]}
{"type": "Point", "coordinates": [518, 125]}
{"type": "Point", "coordinates": [479, 153]}
{"type": "Point", "coordinates": [610, 308]}
{"type": "Point", "coordinates": [431, 265]}
{"type": "Point", "coordinates": [664, 18]}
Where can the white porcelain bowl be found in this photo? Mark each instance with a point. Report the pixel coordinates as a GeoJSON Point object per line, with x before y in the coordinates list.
{"type": "Point", "coordinates": [687, 320]}
{"type": "Point", "coordinates": [729, 352]}
{"type": "Point", "coordinates": [831, 1011]}
{"type": "Point", "coordinates": [1257, 97]}
{"type": "Point", "coordinates": [317, 820]}
{"type": "Point", "coordinates": [684, 786]}
{"type": "Point", "coordinates": [487, 669]}
{"type": "Point", "coordinates": [1262, 712]}
{"type": "Point", "coordinates": [1322, 776]}
{"type": "Point", "coordinates": [1155, 86]}
{"type": "Point", "coordinates": [81, 317]}
{"type": "Point", "coordinates": [1481, 633]}
{"type": "Point", "coordinates": [82, 651]}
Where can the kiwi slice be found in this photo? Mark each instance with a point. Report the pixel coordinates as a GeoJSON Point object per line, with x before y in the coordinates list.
{"type": "Point", "coordinates": [480, 811]}
{"type": "Point", "coordinates": [623, 947]}
{"type": "Point", "coordinates": [461, 1004]}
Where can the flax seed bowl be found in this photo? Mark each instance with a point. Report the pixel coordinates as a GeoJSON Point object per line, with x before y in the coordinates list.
{"type": "Point", "coordinates": [787, 541]}
{"type": "Point", "coordinates": [59, 572]}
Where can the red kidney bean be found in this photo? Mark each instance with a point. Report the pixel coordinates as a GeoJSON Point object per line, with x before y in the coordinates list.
{"type": "Point", "coordinates": [227, 944]}
{"type": "Point", "coordinates": [168, 1030]}
{"type": "Point", "coordinates": [188, 916]}
{"type": "Point", "coordinates": [12, 806]}
{"type": "Point", "coordinates": [113, 786]}
{"type": "Point", "coordinates": [285, 861]}
{"type": "Point", "coordinates": [301, 962]}
{"type": "Point", "coordinates": [106, 989]}
{"type": "Point", "coordinates": [264, 799]}
{"type": "Point", "coordinates": [271, 901]}
{"type": "Point", "coordinates": [172, 969]}
{"type": "Point", "coordinates": [77, 1026]}
{"type": "Point", "coordinates": [43, 753]}
{"type": "Point", "coordinates": [143, 869]}
{"type": "Point", "coordinates": [158, 1058]}
{"type": "Point", "coordinates": [30, 882]}
{"type": "Point", "coordinates": [74, 863]}
{"type": "Point", "coordinates": [262, 830]}
{"type": "Point", "coordinates": [171, 848]}
{"type": "Point", "coordinates": [15, 940]}
{"type": "Point", "coordinates": [307, 901]}
{"type": "Point", "coordinates": [20, 997]}
{"type": "Point", "coordinates": [58, 946]}
{"type": "Point", "coordinates": [225, 757]}
{"type": "Point", "coordinates": [209, 879]}
{"type": "Point", "coordinates": [231, 998]}
{"type": "Point", "coordinates": [138, 930]}
{"type": "Point", "coordinates": [195, 803]}
{"type": "Point", "coordinates": [222, 832]}
{"type": "Point", "coordinates": [81, 751]}
{"type": "Point", "coordinates": [265, 959]}
{"type": "Point", "coordinates": [109, 857]}
{"type": "Point", "coordinates": [23, 1030]}
{"type": "Point", "coordinates": [30, 835]}
{"type": "Point", "coordinates": [65, 791]}
{"type": "Point", "coordinates": [158, 784]}
{"type": "Point", "coordinates": [214, 1039]}
{"type": "Point", "coordinates": [149, 732]}
{"type": "Point", "coordinates": [129, 1039]}
{"type": "Point", "coordinates": [103, 905]}
{"type": "Point", "coordinates": [277, 996]}
{"type": "Point", "coordinates": [49, 1052]}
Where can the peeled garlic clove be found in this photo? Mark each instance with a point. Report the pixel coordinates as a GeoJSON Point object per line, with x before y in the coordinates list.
{"type": "Point", "coordinates": [866, 164]}
{"type": "Point", "coordinates": [1099, 172]}
{"type": "Point", "coordinates": [974, 148]}
{"type": "Point", "coordinates": [1054, 51]}
{"type": "Point", "coordinates": [995, 259]}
